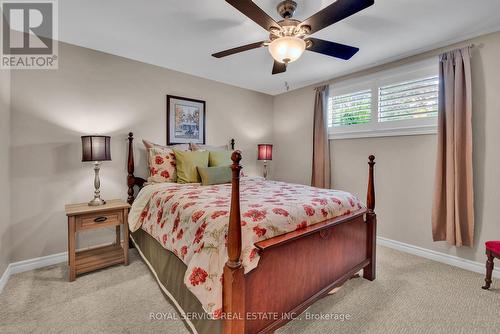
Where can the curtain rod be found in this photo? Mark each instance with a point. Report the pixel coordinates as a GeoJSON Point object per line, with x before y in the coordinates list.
{"type": "Point", "coordinates": [470, 46]}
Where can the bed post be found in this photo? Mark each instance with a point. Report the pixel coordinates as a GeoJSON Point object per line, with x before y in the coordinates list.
{"type": "Point", "coordinates": [130, 169]}
{"type": "Point", "coordinates": [232, 144]}
{"type": "Point", "coordinates": [371, 221]}
{"type": "Point", "coordinates": [234, 280]}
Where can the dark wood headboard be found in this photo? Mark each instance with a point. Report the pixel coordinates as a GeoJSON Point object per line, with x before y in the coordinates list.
{"type": "Point", "coordinates": [132, 180]}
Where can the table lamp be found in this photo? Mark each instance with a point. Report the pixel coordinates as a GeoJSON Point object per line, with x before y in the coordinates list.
{"type": "Point", "coordinates": [96, 149]}
{"type": "Point", "coordinates": [265, 153]}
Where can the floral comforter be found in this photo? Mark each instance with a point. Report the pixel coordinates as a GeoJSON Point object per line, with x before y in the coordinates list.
{"type": "Point", "coordinates": [191, 221]}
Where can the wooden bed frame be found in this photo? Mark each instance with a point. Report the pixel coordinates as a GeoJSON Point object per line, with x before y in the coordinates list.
{"type": "Point", "coordinates": [296, 268]}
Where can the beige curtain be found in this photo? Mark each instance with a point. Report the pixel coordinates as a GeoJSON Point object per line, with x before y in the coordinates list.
{"type": "Point", "coordinates": [321, 146]}
{"type": "Point", "coordinates": [453, 207]}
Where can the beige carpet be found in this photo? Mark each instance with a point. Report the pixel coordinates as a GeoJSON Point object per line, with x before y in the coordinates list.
{"type": "Point", "coordinates": [410, 295]}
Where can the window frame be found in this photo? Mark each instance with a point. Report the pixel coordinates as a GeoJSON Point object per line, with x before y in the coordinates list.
{"type": "Point", "coordinates": [374, 128]}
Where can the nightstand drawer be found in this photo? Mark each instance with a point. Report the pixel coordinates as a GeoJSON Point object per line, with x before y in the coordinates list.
{"type": "Point", "coordinates": [97, 220]}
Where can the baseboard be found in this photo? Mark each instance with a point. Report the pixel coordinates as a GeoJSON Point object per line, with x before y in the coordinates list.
{"type": "Point", "coordinates": [31, 264]}
{"type": "Point", "coordinates": [39, 262]}
{"type": "Point", "coordinates": [5, 277]}
{"type": "Point", "coordinates": [437, 256]}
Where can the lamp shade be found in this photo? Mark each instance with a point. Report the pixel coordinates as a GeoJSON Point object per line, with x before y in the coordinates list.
{"type": "Point", "coordinates": [287, 49]}
{"type": "Point", "coordinates": [265, 152]}
{"type": "Point", "coordinates": [96, 148]}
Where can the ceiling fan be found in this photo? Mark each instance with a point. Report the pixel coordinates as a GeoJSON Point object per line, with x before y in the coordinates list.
{"type": "Point", "coordinates": [288, 38]}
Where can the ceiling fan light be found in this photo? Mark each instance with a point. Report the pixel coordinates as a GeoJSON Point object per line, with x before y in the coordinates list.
{"type": "Point", "coordinates": [287, 49]}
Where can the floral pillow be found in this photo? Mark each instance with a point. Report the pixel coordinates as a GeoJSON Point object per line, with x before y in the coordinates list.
{"type": "Point", "coordinates": [162, 166]}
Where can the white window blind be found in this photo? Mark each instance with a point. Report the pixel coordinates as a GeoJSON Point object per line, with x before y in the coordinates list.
{"type": "Point", "coordinates": [398, 101]}
{"type": "Point", "coordinates": [349, 109]}
{"type": "Point", "coordinates": [408, 100]}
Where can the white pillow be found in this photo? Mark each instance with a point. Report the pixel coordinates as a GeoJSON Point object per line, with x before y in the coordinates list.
{"type": "Point", "coordinates": [180, 147]}
{"type": "Point", "coordinates": [200, 147]}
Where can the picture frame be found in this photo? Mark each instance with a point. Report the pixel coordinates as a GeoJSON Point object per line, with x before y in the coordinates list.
{"type": "Point", "coordinates": [186, 120]}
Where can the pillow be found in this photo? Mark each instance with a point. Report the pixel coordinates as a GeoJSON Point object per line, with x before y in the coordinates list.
{"type": "Point", "coordinates": [161, 163]}
{"type": "Point", "coordinates": [180, 147]}
{"type": "Point", "coordinates": [199, 147]}
{"type": "Point", "coordinates": [215, 175]}
{"type": "Point", "coordinates": [187, 163]}
{"type": "Point", "coordinates": [219, 158]}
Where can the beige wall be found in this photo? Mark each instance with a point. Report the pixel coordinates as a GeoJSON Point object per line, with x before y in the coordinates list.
{"type": "Point", "coordinates": [405, 165]}
{"type": "Point", "coordinates": [97, 93]}
{"type": "Point", "coordinates": [93, 92]}
{"type": "Point", "coordinates": [4, 168]}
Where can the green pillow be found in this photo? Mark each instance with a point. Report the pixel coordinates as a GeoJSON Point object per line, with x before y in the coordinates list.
{"type": "Point", "coordinates": [215, 175]}
{"type": "Point", "coordinates": [187, 163]}
{"type": "Point", "coordinates": [219, 158]}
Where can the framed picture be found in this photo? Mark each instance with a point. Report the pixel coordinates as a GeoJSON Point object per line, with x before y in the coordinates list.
{"type": "Point", "coordinates": [185, 120]}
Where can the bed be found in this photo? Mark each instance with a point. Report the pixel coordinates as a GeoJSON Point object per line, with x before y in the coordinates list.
{"type": "Point", "coordinates": [256, 277]}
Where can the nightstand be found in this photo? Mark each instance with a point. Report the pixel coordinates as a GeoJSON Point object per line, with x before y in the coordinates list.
{"type": "Point", "coordinates": [82, 217]}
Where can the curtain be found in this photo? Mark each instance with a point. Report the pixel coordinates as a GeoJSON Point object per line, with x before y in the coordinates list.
{"type": "Point", "coordinates": [321, 145]}
{"type": "Point", "coordinates": [453, 207]}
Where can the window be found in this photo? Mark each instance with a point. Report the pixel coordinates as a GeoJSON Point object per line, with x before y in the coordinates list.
{"type": "Point", "coordinates": [402, 101]}
{"type": "Point", "coordinates": [348, 109]}
{"type": "Point", "coordinates": [408, 100]}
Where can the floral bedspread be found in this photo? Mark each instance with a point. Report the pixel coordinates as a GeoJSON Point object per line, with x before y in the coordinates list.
{"type": "Point", "coordinates": [191, 221]}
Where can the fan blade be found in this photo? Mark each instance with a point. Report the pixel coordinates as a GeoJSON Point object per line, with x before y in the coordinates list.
{"type": "Point", "coordinates": [238, 49]}
{"type": "Point", "coordinates": [254, 12]}
{"type": "Point", "coordinates": [279, 67]}
{"type": "Point", "coordinates": [337, 11]}
{"type": "Point", "coordinates": [332, 49]}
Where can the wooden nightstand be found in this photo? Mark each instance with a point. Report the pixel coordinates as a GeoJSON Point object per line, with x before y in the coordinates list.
{"type": "Point", "coordinates": [82, 217]}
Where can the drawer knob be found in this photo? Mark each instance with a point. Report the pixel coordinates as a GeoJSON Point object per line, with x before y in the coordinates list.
{"type": "Point", "coordinates": [100, 219]}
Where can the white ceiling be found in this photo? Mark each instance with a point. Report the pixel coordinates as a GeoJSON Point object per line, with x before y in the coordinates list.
{"type": "Point", "coordinates": [181, 35]}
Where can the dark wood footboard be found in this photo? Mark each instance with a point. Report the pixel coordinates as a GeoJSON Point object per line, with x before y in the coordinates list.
{"type": "Point", "coordinates": [292, 275]}
{"type": "Point", "coordinates": [297, 268]}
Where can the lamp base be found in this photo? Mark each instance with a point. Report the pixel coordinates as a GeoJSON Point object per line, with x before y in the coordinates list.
{"type": "Point", "coordinates": [97, 201]}
{"type": "Point", "coordinates": [97, 184]}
